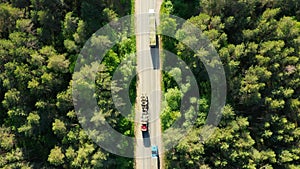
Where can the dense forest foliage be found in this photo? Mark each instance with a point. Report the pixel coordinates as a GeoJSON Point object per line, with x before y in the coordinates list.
{"type": "Point", "coordinates": [39, 45]}
{"type": "Point", "coordinates": [258, 42]}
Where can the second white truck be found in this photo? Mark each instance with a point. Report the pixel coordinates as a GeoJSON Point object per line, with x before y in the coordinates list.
{"type": "Point", "coordinates": [145, 115]}
{"type": "Point", "coordinates": [152, 28]}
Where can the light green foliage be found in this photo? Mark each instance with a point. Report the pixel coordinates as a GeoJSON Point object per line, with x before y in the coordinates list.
{"type": "Point", "coordinates": [173, 98]}
{"type": "Point", "coordinates": [13, 159]}
{"type": "Point", "coordinates": [70, 25]}
{"type": "Point", "coordinates": [59, 127]}
{"type": "Point", "coordinates": [11, 98]}
{"type": "Point", "coordinates": [58, 63]}
{"type": "Point", "coordinates": [56, 157]}
{"type": "Point", "coordinates": [73, 32]}
{"type": "Point", "coordinates": [31, 125]}
{"type": "Point", "coordinates": [24, 25]}
{"type": "Point", "coordinates": [64, 100]}
{"type": "Point", "coordinates": [203, 110]}
{"type": "Point", "coordinates": [97, 159]}
{"type": "Point", "coordinates": [33, 118]}
{"type": "Point", "coordinates": [80, 34]}
{"type": "Point", "coordinates": [253, 83]}
{"type": "Point", "coordinates": [110, 14]}
{"type": "Point", "coordinates": [167, 7]}
{"type": "Point", "coordinates": [70, 45]}
{"type": "Point", "coordinates": [6, 139]}
{"type": "Point", "coordinates": [168, 117]}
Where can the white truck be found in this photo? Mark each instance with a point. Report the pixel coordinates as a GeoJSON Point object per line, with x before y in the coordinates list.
{"type": "Point", "coordinates": [145, 115]}
{"type": "Point", "coordinates": [152, 28]}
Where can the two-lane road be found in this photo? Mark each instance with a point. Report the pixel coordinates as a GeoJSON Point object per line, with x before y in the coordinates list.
{"type": "Point", "coordinates": [149, 73]}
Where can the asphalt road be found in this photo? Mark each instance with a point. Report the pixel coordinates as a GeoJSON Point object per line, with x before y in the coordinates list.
{"type": "Point", "coordinates": [149, 83]}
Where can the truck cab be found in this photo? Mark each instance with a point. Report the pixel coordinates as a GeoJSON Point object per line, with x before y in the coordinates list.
{"type": "Point", "coordinates": [154, 151]}
{"type": "Point", "coordinates": [144, 127]}
{"type": "Point", "coordinates": [154, 159]}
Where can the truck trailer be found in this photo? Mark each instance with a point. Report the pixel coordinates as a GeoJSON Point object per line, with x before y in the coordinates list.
{"type": "Point", "coordinates": [152, 28]}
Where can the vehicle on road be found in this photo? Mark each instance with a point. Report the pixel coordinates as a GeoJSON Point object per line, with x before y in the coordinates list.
{"type": "Point", "coordinates": [152, 28]}
{"type": "Point", "coordinates": [154, 159]}
{"type": "Point", "coordinates": [154, 151]}
{"type": "Point", "coordinates": [144, 103]}
{"type": "Point", "coordinates": [145, 115]}
{"type": "Point", "coordinates": [144, 121]}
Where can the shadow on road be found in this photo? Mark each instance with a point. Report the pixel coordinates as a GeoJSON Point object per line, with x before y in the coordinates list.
{"type": "Point", "coordinates": [155, 55]}
{"type": "Point", "coordinates": [146, 139]}
{"type": "Point", "coordinates": [158, 163]}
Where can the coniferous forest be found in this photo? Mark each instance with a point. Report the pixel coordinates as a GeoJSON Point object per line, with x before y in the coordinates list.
{"type": "Point", "coordinates": [258, 42]}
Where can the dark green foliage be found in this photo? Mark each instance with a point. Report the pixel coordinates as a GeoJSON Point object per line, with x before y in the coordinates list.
{"type": "Point", "coordinates": [39, 44]}
{"type": "Point", "coordinates": [182, 8]}
{"type": "Point", "coordinates": [258, 43]}
{"type": "Point", "coordinates": [8, 18]}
